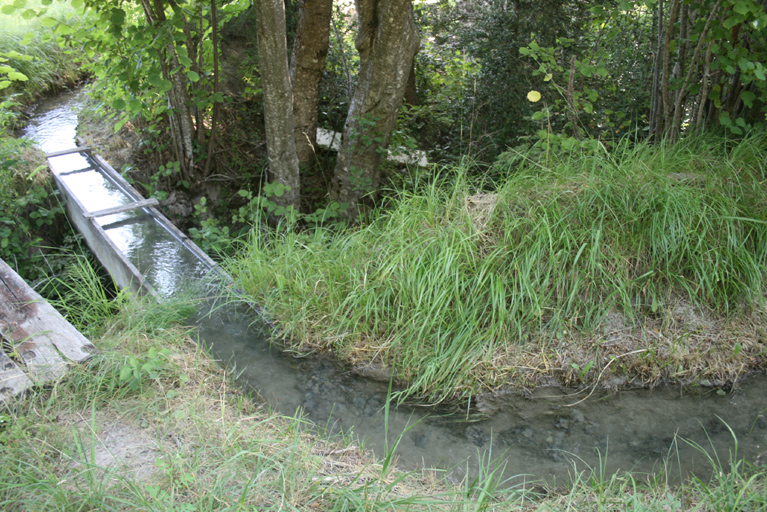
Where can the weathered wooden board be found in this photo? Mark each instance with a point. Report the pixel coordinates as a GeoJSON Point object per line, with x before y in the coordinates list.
{"type": "Point", "coordinates": [144, 203]}
{"type": "Point", "coordinates": [13, 380]}
{"type": "Point", "coordinates": [82, 149]}
{"type": "Point", "coordinates": [40, 336]}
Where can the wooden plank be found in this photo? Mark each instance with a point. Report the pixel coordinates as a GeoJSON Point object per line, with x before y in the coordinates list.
{"type": "Point", "coordinates": [68, 151]}
{"type": "Point", "coordinates": [37, 330]}
{"type": "Point", "coordinates": [12, 379]}
{"type": "Point", "coordinates": [44, 363]}
{"type": "Point", "coordinates": [144, 203]}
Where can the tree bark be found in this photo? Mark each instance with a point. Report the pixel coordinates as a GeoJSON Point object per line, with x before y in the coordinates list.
{"type": "Point", "coordinates": [655, 101]}
{"type": "Point", "coordinates": [310, 48]}
{"type": "Point", "coordinates": [180, 113]}
{"type": "Point", "coordinates": [387, 42]}
{"type": "Point", "coordinates": [278, 102]}
{"type": "Point", "coordinates": [676, 127]}
{"type": "Point", "coordinates": [664, 122]}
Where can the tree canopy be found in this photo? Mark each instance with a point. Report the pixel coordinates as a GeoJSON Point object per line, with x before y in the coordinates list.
{"type": "Point", "coordinates": [488, 75]}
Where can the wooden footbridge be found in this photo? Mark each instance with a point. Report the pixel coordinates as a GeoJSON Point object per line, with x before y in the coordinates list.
{"type": "Point", "coordinates": [38, 344]}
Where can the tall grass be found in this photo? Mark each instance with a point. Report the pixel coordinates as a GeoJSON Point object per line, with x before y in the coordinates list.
{"type": "Point", "coordinates": [187, 440]}
{"type": "Point", "coordinates": [30, 49]}
{"type": "Point", "coordinates": [448, 278]}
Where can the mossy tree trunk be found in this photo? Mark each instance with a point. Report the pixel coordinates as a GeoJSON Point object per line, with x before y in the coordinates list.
{"type": "Point", "coordinates": [387, 43]}
{"type": "Point", "coordinates": [310, 47]}
{"type": "Point", "coordinates": [278, 105]}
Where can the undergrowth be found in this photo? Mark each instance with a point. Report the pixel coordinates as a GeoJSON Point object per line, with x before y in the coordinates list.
{"type": "Point", "coordinates": [173, 433]}
{"type": "Point", "coordinates": [453, 277]}
{"type": "Point", "coordinates": [27, 46]}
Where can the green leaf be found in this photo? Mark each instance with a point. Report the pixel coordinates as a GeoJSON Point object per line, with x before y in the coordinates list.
{"type": "Point", "coordinates": [15, 75]}
{"type": "Point", "coordinates": [77, 3]}
{"type": "Point", "coordinates": [569, 143]}
{"type": "Point", "coordinates": [4, 84]}
{"type": "Point", "coordinates": [741, 8]}
{"type": "Point", "coordinates": [118, 104]}
{"type": "Point", "coordinates": [745, 64]}
{"type": "Point", "coordinates": [156, 80]}
{"type": "Point", "coordinates": [8, 9]}
{"type": "Point", "coordinates": [125, 373]}
{"type": "Point", "coordinates": [735, 19]}
{"type": "Point", "coordinates": [48, 22]}
{"type": "Point", "coordinates": [28, 14]}
{"type": "Point", "coordinates": [748, 98]}
{"type": "Point", "coordinates": [64, 29]}
{"type": "Point", "coordinates": [117, 17]}
{"type": "Point", "coordinates": [194, 77]}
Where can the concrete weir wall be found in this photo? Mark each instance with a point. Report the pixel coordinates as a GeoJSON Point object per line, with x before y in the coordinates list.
{"type": "Point", "coordinates": [122, 198]}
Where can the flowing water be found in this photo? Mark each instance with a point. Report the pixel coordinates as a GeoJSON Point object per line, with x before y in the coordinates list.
{"type": "Point", "coordinates": [544, 434]}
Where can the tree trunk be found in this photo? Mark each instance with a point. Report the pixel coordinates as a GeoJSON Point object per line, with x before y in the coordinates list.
{"type": "Point", "coordinates": [387, 43]}
{"type": "Point", "coordinates": [411, 91]}
{"type": "Point", "coordinates": [278, 104]}
{"type": "Point", "coordinates": [180, 114]}
{"type": "Point", "coordinates": [665, 120]}
{"type": "Point", "coordinates": [310, 48]}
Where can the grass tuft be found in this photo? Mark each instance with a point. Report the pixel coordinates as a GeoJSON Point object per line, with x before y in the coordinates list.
{"type": "Point", "coordinates": [457, 288]}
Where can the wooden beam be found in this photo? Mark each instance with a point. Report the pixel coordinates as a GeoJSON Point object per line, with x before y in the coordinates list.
{"type": "Point", "coordinates": [63, 152]}
{"type": "Point", "coordinates": [44, 340]}
{"type": "Point", "coordinates": [144, 203]}
{"type": "Point", "coordinates": [12, 379]}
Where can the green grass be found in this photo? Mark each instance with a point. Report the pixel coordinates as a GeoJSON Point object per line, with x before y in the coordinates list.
{"type": "Point", "coordinates": [451, 287]}
{"type": "Point", "coordinates": [30, 49]}
{"type": "Point", "coordinates": [183, 438]}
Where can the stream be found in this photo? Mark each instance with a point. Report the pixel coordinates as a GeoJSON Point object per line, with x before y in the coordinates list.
{"type": "Point", "coordinates": [545, 434]}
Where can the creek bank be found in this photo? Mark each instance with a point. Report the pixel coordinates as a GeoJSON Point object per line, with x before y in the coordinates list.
{"type": "Point", "coordinates": [538, 437]}
{"type": "Point", "coordinates": [680, 345]}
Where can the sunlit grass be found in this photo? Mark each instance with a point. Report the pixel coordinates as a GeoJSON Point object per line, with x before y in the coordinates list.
{"type": "Point", "coordinates": [179, 435]}
{"type": "Point", "coordinates": [451, 278]}
{"type": "Point", "coordinates": [40, 58]}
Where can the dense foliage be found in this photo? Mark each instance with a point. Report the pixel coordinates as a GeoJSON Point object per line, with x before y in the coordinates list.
{"type": "Point", "coordinates": [455, 288]}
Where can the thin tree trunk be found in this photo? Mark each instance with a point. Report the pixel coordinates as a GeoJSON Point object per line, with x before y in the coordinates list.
{"type": "Point", "coordinates": [216, 108]}
{"type": "Point", "coordinates": [571, 100]}
{"type": "Point", "coordinates": [340, 44]}
{"type": "Point", "coordinates": [665, 90]}
{"type": "Point", "coordinates": [676, 126]}
{"type": "Point", "coordinates": [411, 92]}
{"type": "Point", "coordinates": [387, 42]}
{"type": "Point", "coordinates": [655, 102]}
{"type": "Point", "coordinates": [310, 48]}
{"type": "Point", "coordinates": [182, 131]}
{"type": "Point", "coordinates": [278, 103]}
